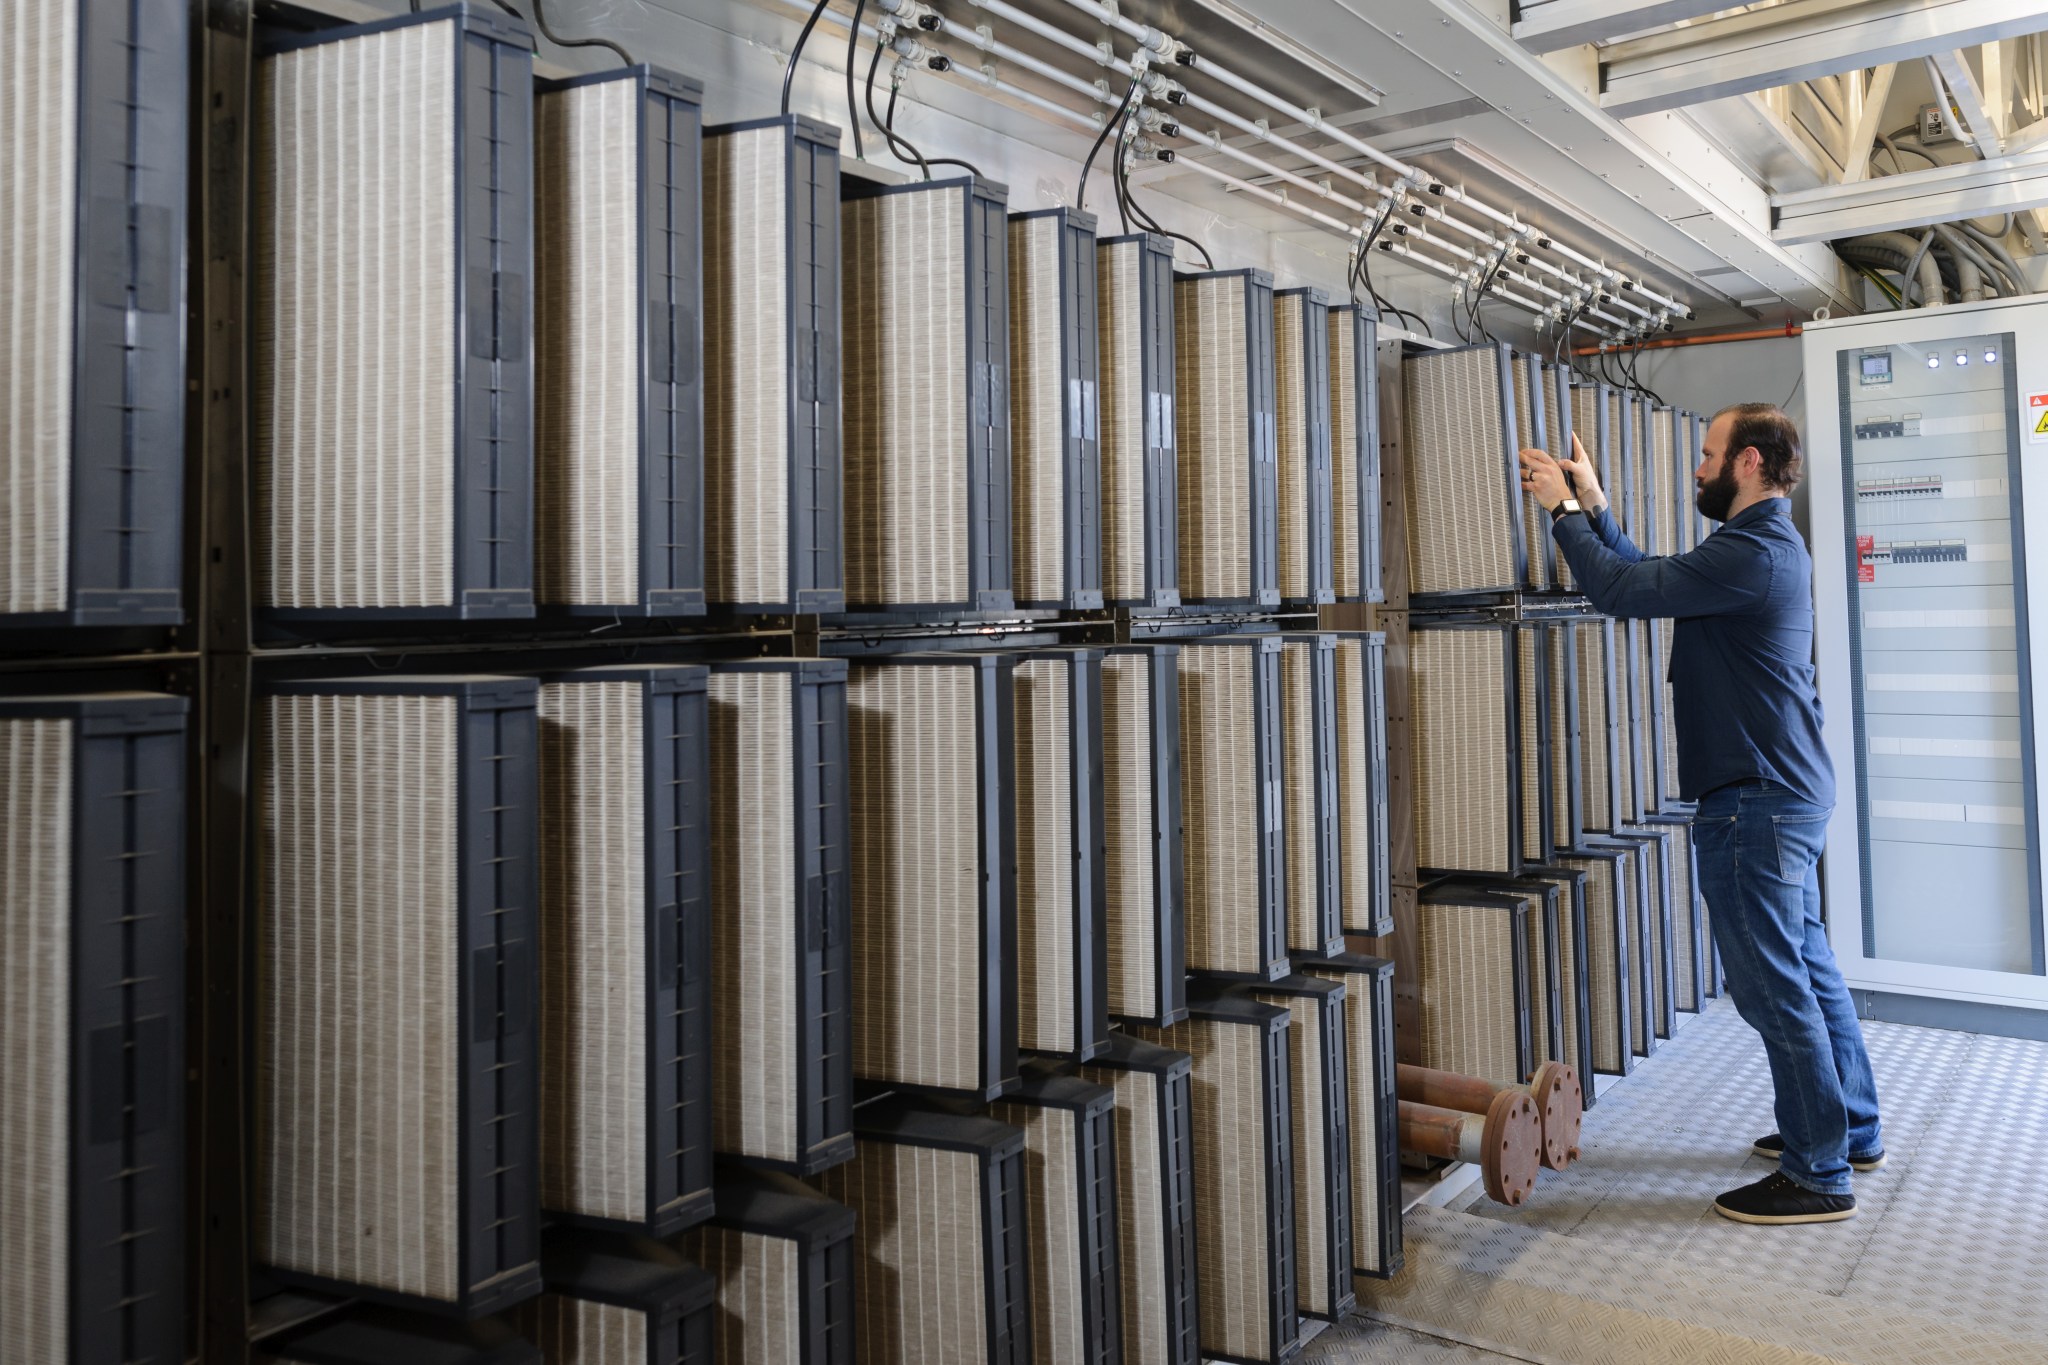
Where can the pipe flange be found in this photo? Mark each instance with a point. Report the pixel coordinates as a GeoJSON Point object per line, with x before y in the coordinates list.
{"type": "Point", "coordinates": [1512, 1147]}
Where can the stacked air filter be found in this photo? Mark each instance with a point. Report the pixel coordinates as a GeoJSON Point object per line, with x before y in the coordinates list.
{"type": "Point", "coordinates": [1601, 771]}
{"type": "Point", "coordinates": [927, 392]}
{"type": "Point", "coordinates": [1541, 968]}
{"type": "Point", "coordinates": [92, 321]}
{"type": "Point", "coordinates": [1670, 489]}
{"type": "Point", "coordinates": [1146, 946]}
{"type": "Point", "coordinates": [1634, 903]}
{"type": "Point", "coordinates": [1318, 1047]}
{"type": "Point", "coordinates": [1140, 456]}
{"type": "Point", "coordinates": [772, 453]}
{"type": "Point", "coordinates": [365, 1335]}
{"type": "Point", "coordinates": [930, 765]}
{"type": "Point", "coordinates": [1233, 849]}
{"type": "Point", "coordinates": [1610, 901]}
{"type": "Point", "coordinates": [783, 1255]}
{"type": "Point", "coordinates": [943, 1269]}
{"type": "Point", "coordinates": [1373, 1112]}
{"type": "Point", "coordinates": [1311, 815]}
{"type": "Point", "coordinates": [618, 329]}
{"type": "Point", "coordinates": [1355, 453]}
{"type": "Point", "coordinates": [391, 350]}
{"type": "Point", "coordinates": [1650, 960]}
{"type": "Point", "coordinates": [1244, 1173]}
{"type": "Point", "coordinates": [1464, 728]}
{"type": "Point", "coordinates": [1533, 703]}
{"type": "Point", "coordinates": [1062, 970]}
{"type": "Point", "coordinates": [1687, 961]}
{"type": "Point", "coordinates": [1055, 464]}
{"type": "Point", "coordinates": [1301, 368]}
{"type": "Point", "coordinates": [613, 1300]}
{"type": "Point", "coordinates": [1070, 1190]}
{"type": "Point", "coordinates": [1229, 476]}
{"type": "Point", "coordinates": [1574, 1042]}
{"type": "Point", "coordinates": [1567, 766]}
{"type": "Point", "coordinates": [1155, 1187]}
{"type": "Point", "coordinates": [1464, 484]}
{"type": "Point", "coordinates": [781, 944]}
{"type": "Point", "coordinates": [1364, 860]}
{"type": "Point", "coordinates": [625, 947]}
{"type": "Point", "coordinates": [1557, 440]}
{"type": "Point", "coordinates": [92, 1053]}
{"type": "Point", "coordinates": [1527, 374]}
{"type": "Point", "coordinates": [1472, 983]}
{"type": "Point", "coordinates": [394, 989]}
{"type": "Point", "coordinates": [1584, 407]}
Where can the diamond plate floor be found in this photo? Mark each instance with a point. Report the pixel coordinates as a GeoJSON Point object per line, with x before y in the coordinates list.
{"type": "Point", "coordinates": [1621, 1259]}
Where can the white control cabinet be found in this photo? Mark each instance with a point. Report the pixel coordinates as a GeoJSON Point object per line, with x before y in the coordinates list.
{"type": "Point", "coordinates": [1927, 460]}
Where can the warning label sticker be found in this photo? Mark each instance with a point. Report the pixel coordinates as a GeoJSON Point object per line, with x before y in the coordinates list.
{"type": "Point", "coordinates": [2037, 418]}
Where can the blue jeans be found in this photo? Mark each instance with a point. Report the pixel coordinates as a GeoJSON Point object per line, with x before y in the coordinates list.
{"type": "Point", "coordinates": [1759, 852]}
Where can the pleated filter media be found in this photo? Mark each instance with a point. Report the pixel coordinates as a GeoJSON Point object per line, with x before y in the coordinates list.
{"type": "Point", "coordinates": [394, 990]}
{"type": "Point", "coordinates": [92, 1150]}
{"type": "Point", "coordinates": [1610, 901]}
{"type": "Point", "coordinates": [1557, 441]}
{"type": "Point", "coordinates": [1464, 728]}
{"type": "Point", "coordinates": [1301, 367]}
{"type": "Point", "coordinates": [783, 1255]}
{"type": "Point", "coordinates": [391, 320]}
{"type": "Point", "coordinates": [625, 947]}
{"type": "Point", "coordinates": [1318, 1043]}
{"type": "Point", "coordinates": [1464, 509]}
{"type": "Point", "coordinates": [1070, 1191]}
{"type": "Point", "coordinates": [1233, 807]}
{"type": "Point", "coordinates": [1532, 706]}
{"type": "Point", "coordinates": [1687, 960]}
{"type": "Point", "coordinates": [1527, 374]}
{"type": "Point", "coordinates": [931, 769]}
{"type": "Point", "coordinates": [927, 394]}
{"type": "Point", "coordinates": [1155, 1190]}
{"type": "Point", "coordinates": [1244, 1172]}
{"type": "Point", "coordinates": [1055, 454]}
{"type": "Point", "coordinates": [618, 332]}
{"type": "Point", "coordinates": [92, 244]}
{"type": "Point", "coordinates": [1062, 968]}
{"type": "Point", "coordinates": [1145, 947]}
{"type": "Point", "coordinates": [1139, 450]}
{"type": "Point", "coordinates": [942, 1266]}
{"type": "Point", "coordinates": [1355, 454]}
{"type": "Point", "coordinates": [1472, 983]}
{"type": "Point", "coordinates": [1364, 859]}
{"type": "Point", "coordinates": [1568, 804]}
{"type": "Point", "coordinates": [1601, 771]}
{"type": "Point", "coordinates": [1567, 948]}
{"type": "Point", "coordinates": [620, 1300]}
{"type": "Point", "coordinates": [1229, 476]}
{"type": "Point", "coordinates": [1312, 818]}
{"type": "Point", "coordinates": [781, 943]}
{"type": "Point", "coordinates": [773, 456]}
{"type": "Point", "coordinates": [1650, 947]}
{"type": "Point", "coordinates": [1633, 957]}
{"type": "Point", "coordinates": [1373, 1112]}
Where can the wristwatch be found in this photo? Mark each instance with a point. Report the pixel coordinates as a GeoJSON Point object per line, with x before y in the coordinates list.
{"type": "Point", "coordinates": [1565, 508]}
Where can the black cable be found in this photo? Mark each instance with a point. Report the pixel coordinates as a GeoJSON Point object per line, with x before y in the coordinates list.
{"type": "Point", "coordinates": [789, 72]}
{"type": "Point", "coordinates": [1120, 174]}
{"type": "Point", "coordinates": [540, 17]}
{"type": "Point", "coordinates": [1147, 221]}
{"type": "Point", "coordinates": [889, 127]}
{"type": "Point", "coordinates": [1108, 125]}
{"type": "Point", "coordinates": [876, 119]}
{"type": "Point", "coordinates": [860, 152]}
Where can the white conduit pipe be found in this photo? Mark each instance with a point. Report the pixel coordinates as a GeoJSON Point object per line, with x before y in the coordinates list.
{"type": "Point", "coordinates": [1006, 53]}
{"type": "Point", "coordinates": [1109, 15]}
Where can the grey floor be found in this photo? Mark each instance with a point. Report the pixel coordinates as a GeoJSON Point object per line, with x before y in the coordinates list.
{"type": "Point", "coordinates": [1620, 1258]}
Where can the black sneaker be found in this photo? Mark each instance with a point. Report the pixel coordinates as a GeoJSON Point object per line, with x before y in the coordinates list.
{"type": "Point", "coordinates": [1778, 1199]}
{"type": "Point", "coordinates": [1774, 1148]}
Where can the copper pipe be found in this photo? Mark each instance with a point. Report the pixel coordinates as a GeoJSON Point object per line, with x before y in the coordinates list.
{"type": "Point", "coordinates": [1506, 1144]}
{"type": "Point", "coordinates": [1560, 1101]}
{"type": "Point", "coordinates": [1790, 329]}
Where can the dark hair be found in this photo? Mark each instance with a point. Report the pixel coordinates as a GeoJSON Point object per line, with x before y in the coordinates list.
{"type": "Point", "coordinates": [1765, 426]}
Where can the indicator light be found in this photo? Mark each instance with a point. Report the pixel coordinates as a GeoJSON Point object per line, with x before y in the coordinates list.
{"type": "Point", "coordinates": [1934, 362]}
{"type": "Point", "coordinates": [1962, 358]}
{"type": "Point", "coordinates": [1990, 355]}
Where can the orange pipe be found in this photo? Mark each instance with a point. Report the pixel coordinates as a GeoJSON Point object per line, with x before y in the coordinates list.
{"type": "Point", "coordinates": [1790, 329]}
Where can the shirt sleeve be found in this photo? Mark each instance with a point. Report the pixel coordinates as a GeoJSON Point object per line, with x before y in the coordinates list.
{"type": "Point", "coordinates": [1727, 575]}
{"type": "Point", "coordinates": [1611, 535]}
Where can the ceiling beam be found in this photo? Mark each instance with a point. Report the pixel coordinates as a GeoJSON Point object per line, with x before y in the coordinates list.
{"type": "Point", "coordinates": [1867, 123]}
{"type": "Point", "coordinates": [1953, 71]}
{"type": "Point", "coordinates": [1968, 189]}
{"type": "Point", "coordinates": [1548, 25]}
{"type": "Point", "coordinates": [1780, 45]}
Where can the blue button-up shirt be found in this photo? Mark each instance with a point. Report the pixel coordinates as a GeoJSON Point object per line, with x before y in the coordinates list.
{"type": "Point", "coordinates": [1742, 679]}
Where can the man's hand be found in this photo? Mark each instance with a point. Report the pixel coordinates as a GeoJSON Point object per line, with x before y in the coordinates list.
{"type": "Point", "coordinates": [1545, 478]}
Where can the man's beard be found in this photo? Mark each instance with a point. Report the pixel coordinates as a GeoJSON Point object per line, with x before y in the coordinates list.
{"type": "Point", "coordinates": [1717, 495]}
